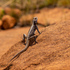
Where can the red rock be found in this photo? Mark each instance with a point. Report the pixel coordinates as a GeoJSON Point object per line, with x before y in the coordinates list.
{"type": "Point", "coordinates": [0, 23]}
{"type": "Point", "coordinates": [8, 22]}
{"type": "Point", "coordinates": [26, 20]}
{"type": "Point", "coordinates": [8, 10]}
{"type": "Point", "coordinates": [11, 11]}
{"type": "Point", "coordinates": [17, 12]}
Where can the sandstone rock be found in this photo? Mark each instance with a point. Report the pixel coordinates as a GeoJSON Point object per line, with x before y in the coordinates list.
{"type": "Point", "coordinates": [0, 23]}
{"type": "Point", "coordinates": [17, 12]}
{"type": "Point", "coordinates": [8, 22]}
{"type": "Point", "coordinates": [8, 10]}
{"type": "Point", "coordinates": [51, 53]}
{"type": "Point", "coordinates": [12, 12]}
{"type": "Point", "coordinates": [25, 20]}
{"type": "Point", "coordinates": [42, 19]}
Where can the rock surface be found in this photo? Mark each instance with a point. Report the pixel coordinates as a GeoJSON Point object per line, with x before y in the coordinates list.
{"type": "Point", "coordinates": [8, 22]}
{"type": "Point", "coordinates": [26, 20]}
{"type": "Point", "coordinates": [51, 52]}
{"type": "Point", "coordinates": [10, 37]}
{"type": "Point", "coordinates": [17, 12]}
{"type": "Point", "coordinates": [0, 23]}
{"type": "Point", "coordinates": [8, 10]}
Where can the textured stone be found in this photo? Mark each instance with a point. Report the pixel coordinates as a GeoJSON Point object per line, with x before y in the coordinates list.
{"type": "Point", "coordinates": [8, 22]}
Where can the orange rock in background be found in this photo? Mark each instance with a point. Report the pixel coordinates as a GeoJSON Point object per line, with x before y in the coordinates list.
{"type": "Point", "coordinates": [8, 10]}
{"type": "Point", "coordinates": [0, 23]}
{"type": "Point", "coordinates": [26, 20]}
{"type": "Point", "coordinates": [8, 22]}
{"type": "Point", "coordinates": [17, 12]}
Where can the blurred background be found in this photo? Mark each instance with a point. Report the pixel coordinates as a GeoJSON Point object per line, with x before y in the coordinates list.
{"type": "Point", "coordinates": [19, 13]}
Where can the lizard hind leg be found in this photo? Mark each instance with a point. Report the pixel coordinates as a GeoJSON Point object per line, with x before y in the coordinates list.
{"type": "Point", "coordinates": [33, 40]}
{"type": "Point", "coordinates": [24, 37]}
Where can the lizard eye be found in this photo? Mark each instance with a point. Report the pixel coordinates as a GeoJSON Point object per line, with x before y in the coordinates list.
{"type": "Point", "coordinates": [35, 19]}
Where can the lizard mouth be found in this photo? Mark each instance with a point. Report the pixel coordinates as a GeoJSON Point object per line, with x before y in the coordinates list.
{"type": "Point", "coordinates": [35, 22]}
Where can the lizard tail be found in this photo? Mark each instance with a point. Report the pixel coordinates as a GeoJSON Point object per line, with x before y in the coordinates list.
{"type": "Point", "coordinates": [27, 45]}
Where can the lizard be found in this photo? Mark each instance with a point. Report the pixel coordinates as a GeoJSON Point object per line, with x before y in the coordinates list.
{"type": "Point", "coordinates": [30, 35]}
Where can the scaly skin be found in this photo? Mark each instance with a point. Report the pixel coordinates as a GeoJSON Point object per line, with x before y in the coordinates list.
{"type": "Point", "coordinates": [30, 35]}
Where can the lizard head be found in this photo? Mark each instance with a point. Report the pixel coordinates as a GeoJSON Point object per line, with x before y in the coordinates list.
{"type": "Point", "coordinates": [35, 20]}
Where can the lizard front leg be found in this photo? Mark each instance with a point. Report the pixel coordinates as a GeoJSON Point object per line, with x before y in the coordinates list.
{"type": "Point", "coordinates": [38, 30]}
